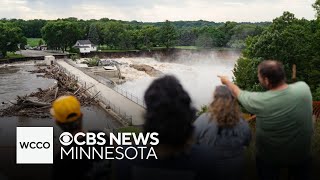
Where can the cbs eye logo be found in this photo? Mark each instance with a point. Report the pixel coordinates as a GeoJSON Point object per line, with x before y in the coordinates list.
{"type": "Point", "coordinates": [66, 138]}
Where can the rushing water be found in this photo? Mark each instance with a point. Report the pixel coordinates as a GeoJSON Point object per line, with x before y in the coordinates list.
{"type": "Point", "coordinates": [196, 71]}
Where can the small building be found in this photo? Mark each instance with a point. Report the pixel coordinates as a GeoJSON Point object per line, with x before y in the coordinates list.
{"type": "Point", "coordinates": [85, 46]}
{"type": "Point", "coordinates": [43, 47]}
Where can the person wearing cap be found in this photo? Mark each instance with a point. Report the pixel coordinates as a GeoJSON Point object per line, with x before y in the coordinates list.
{"type": "Point", "coordinates": [66, 112]}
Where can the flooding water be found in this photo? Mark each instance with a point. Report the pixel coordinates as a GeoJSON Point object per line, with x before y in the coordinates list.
{"type": "Point", "coordinates": [196, 71]}
{"type": "Point", "coordinates": [16, 80]}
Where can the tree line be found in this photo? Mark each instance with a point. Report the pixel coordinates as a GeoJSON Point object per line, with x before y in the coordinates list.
{"type": "Point", "coordinates": [116, 34]}
{"type": "Point", "coordinates": [295, 42]}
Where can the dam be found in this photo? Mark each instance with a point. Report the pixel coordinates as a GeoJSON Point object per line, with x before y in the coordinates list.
{"type": "Point", "coordinates": [130, 111]}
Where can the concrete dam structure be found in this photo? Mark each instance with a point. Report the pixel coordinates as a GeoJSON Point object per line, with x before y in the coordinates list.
{"type": "Point", "coordinates": [130, 110]}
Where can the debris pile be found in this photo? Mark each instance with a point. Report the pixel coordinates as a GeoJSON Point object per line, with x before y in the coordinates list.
{"type": "Point", "coordinates": [37, 104]}
{"type": "Point", "coordinates": [151, 71]}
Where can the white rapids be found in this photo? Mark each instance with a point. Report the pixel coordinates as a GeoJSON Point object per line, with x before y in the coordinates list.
{"type": "Point", "coordinates": [198, 76]}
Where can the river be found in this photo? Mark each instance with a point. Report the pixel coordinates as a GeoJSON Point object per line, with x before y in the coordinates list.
{"type": "Point", "coordinates": [16, 80]}
{"type": "Point", "coordinates": [197, 72]}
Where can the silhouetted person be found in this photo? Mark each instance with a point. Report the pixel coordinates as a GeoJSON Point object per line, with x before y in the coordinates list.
{"type": "Point", "coordinates": [283, 123]}
{"type": "Point", "coordinates": [66, 111]}
{"type": "Point", "coordinates": [226, 133]}
{"type": "Point", "coordinates": [170, 113]}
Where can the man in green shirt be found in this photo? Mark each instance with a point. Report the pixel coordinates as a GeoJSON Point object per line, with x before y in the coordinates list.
{"type": "Point", "coordinates": [283, 123]}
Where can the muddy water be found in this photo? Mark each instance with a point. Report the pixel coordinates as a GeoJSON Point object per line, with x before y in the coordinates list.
{"type": "Point", "coordinates": [196, 71]}
{"type": "Point", "coordinates": [16, 80]}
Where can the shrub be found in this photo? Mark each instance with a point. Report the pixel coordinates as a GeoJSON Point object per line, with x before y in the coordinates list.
{"type": "Point", "coordinates": [74, 57]}
{"type": "Point", "coordinates": [93, 61]}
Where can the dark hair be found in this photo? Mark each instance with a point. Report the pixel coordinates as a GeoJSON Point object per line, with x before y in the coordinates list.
{"type": "Point", "coordinates": [169, 112]}
{"type": "Point", "coordinates": [274, 71]}
{"type": "Point", "coordinates": [224, 108]}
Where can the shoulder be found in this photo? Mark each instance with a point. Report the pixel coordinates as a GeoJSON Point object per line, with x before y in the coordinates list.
{"type": "Point", "coordinates": [205, 130]}
{"type": "Point", "coordinates": [300, 89]}
{"type": "Point", "coordinates": [204, 122]}
{"type": "Point", "coordinates": [300, 84]}
{"type": "Point", "coordinates": [202, 119]}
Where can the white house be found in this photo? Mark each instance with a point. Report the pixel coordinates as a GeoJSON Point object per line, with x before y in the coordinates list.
{"type": "Point", "coordinates": [85, 46]}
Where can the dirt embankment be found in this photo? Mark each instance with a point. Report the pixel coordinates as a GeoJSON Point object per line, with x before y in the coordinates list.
{"type": "Point", "coordinates": [151, 71]}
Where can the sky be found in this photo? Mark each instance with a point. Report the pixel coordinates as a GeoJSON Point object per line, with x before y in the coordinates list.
{"type": "Point", "coordinates": [157, 10]}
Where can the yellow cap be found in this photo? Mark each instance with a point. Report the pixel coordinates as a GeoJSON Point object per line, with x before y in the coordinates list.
{"type": "Point", "coordinates": [66, 109]}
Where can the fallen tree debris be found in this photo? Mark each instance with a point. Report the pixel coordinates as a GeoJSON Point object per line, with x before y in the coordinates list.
{"type": "Point", "coordinates": [151, 71]}
{"type": "Point", "coordinates": [38, 104]}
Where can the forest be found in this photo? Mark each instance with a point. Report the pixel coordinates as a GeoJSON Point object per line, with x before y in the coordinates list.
{"type": "Point", "coordinates": [116, 34]}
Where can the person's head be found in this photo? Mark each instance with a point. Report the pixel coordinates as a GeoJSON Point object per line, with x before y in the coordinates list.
{"type": "Point", "coordinates": [169, 112]}
{"type": "Point", "coordinates": [271, 74]}
{"type": "Point", "coordinates": [224, 108]}
{"type": "Point", "coordinates": [67, 113]}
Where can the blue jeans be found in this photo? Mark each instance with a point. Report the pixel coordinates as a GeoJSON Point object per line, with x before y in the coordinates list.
{"type": "Point", "coordinates": [299, 171]}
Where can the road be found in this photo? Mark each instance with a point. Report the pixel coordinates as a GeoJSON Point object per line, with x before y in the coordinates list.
{"type": "Point", "coordinates": [36, 53]}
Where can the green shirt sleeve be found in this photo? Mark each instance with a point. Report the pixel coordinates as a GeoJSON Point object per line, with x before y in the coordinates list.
{"type": "Point", "coordinates": [250, 101]}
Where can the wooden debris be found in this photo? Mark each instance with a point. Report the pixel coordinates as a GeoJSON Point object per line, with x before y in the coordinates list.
{"type": "Point", "coordinates": [38, 104]}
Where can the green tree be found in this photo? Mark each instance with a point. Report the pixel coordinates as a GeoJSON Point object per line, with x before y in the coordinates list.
{"type": "Point", "coordinates": [146, 37]}
{"type": "Point", "coordinates": [227, 30]}
{"type": "Point", "coordinates": [61, 34]}
{"type": "Point", "coordinates": [40, 42]}
{"type": "Point", "coordinates": [289, 40]}
{"type": "Point", "coordinates": [204, 40]}
{"type": "Point", "coordinates": [209, 37]}
{"type": "Point", "coordinates": [241, 32]}
{"type": "Point", "coordinates": [113, 33]}
{"type": "Point", "coordinates": [316, 6]}
{"type": "Point", "coordinates": [245, 73]}
{"type": "Point", "coordinates": [10, 38]}
{"type": "Point", "coordinates": [168, 34]}
{"type": "Point", "coordinates": [187, 37]}
{"type": "Point", "coordinates": [93, 35]}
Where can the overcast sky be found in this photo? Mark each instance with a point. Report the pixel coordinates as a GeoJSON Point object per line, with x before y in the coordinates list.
{"type": "Point", "coordinates": [157, 10]}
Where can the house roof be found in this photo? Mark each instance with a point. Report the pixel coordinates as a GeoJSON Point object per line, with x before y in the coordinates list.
{"type": "Point", "coordinates": [84, 42]}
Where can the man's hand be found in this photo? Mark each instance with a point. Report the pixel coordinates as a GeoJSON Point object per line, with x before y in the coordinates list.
{"type": "Point", "coordinates": [224, 80]}
{"type": "Point", "coordinates": [234, 88]}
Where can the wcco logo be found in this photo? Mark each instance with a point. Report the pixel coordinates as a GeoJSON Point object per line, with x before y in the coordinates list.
{"type": "Point", "coordinates": [34, 145]}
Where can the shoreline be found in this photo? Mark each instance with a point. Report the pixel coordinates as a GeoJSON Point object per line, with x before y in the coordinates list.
{"type": "Point", "coordinates": [161, 54]}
